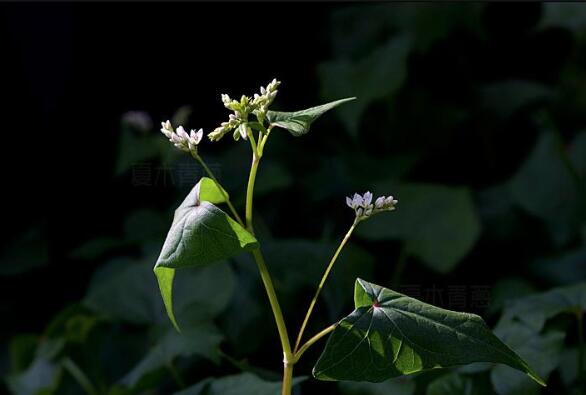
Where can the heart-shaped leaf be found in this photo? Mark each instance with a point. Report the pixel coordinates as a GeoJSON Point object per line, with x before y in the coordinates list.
{"type": "Point", "coordinates": [201, 234]}
{"type": "Point", "coordinates": [298, 122]}
{"type": "Point", "coordinates": [390, 334]}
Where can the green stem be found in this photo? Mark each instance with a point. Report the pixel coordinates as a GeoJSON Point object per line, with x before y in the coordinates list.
{"type": "Point", "coordinates": [311, 341]}
{"type": "Point", "coordinates": [267, 280]}
{"type": "Point", "coordinates": [581, 348]}
{"type": "Point", "coordinates": [400, 267]}
{"type": "Point", "coordinates": [287, 379]}
{"type": "Point", "coordinates": [79, 376]}
{"type": "Point", "coordinates": [226, 197]}
{"type": "Point", "coordinates": [322, 282]}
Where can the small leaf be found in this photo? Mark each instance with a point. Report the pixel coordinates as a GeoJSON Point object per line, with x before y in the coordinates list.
{"type": "Point", "coordinates": [201, 234]}
{"type": "Point", "coordinates": [390, 334]}
{"type": "Point", "coordinates": [298, 122]}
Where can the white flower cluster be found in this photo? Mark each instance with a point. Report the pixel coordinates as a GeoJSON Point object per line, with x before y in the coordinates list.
{"type": "Point", "coordinates": [364, 207]}
{"type": "Point", "coordinates": [258, 106]}
{"type": "Point", "coordinates": [265, 99]}
{"type": "Point", "coordinates": [181, 139]}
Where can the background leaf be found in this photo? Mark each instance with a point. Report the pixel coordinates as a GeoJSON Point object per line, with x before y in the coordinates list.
{"type": "Point", "coordinates": [438, 224]}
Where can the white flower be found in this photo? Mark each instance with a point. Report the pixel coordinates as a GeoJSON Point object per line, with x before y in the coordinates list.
{"type": "Point", "coordinates": [363, 207]}
{"type": "Point", "coordinates": [187, 142]}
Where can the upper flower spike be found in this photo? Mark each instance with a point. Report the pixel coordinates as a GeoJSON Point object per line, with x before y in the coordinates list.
{"type": "Point", "coordinates": [364, 208]}
{"type": "Point", "coordinates": [180, 138]}
{"type": "Point", "coordinates": [258, 105]}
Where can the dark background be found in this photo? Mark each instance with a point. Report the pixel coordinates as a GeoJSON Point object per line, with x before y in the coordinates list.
{"type": "Point", "coordinates": [70, 71]}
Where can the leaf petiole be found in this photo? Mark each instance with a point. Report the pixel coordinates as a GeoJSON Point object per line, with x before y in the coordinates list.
{"type": "Point", "coordinates": [311, 341]}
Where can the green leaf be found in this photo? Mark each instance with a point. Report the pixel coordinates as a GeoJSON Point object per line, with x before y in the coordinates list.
{"type": "Point", "coordinates": [201, 234]}
{"type": "Point", "coordinates": [210, 191]}
{"type": "Point", "coordinates": [239, 384]}
{"type": "Point", "coordinates": [378, 75]}
{"type": "Point", "coordinates": [536, 309]}
{"type": "Point", "coordinates": [543, 350]}
{"type": "Point", "coordinates": [459, 384]}
{"type": "Point", "coordinates": [298, 122]}
{"type": "Point", "coordinates": [438, 224]}
{"type": "Point", "coordinates": [390, 334]}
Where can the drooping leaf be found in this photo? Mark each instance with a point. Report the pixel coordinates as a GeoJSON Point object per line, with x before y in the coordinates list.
{"type": "Point", "coordinates": [201, 234]}
{"type": "Point", "coordinates": [390, 335]}
{"type": "Point", "coordinates": [298, 122]}
{"type": "Point", "coordinates": [239, 384]}
{"type": "Point", "coordinates": [543, 350]}
{"type": "Point", "coordinates": [535, 310]}
{"type": "Point", "coordinates": [438, 224]}
{"type": "Point", "coordinates": [202, 340]}
{"type": "Point", "coordinates": [378, 75]}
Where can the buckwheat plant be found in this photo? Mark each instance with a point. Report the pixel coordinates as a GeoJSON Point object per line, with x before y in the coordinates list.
{"type": "Point", "coordinates": [387, 335]}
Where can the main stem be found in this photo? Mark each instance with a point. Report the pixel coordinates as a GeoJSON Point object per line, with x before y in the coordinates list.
{"type": "Point", "coordinates": [268, 284]}
{"type": "Point", "coordinates": [321, 284]}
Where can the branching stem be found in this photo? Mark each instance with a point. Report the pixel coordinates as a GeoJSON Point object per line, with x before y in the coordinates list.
{"type": "Point", "coordinates": [322, 282]}
{"type": "Point", "coordinates": [311, 341]}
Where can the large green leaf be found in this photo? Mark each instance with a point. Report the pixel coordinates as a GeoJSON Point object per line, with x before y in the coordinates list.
{"type": "Point", "coordinates": [298, 122]}
{"type": "Point", "coordinates": [438, 224]}
{"type": "Point", "coordinates": [201, 234]}
{"type": "Point", "coordinates": [390, 334]}
{"type": "Point", "coordinates": [378, 75]}
{"type": "Point", "coordinates": [238, 384]}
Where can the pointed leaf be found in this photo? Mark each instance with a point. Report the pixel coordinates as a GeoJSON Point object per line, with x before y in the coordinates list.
{"type": "Point", "coordinates": [390, 334]}
{"type": "Point", "coordinates": [201, 234]}
{"type": "Point", "coordinates": [298, 122]}
{"type": "Point", "coordinates": [210, 191]}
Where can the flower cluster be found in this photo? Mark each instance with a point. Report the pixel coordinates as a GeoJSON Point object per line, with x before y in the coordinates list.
{"type": "Point", "coordinates": [181, 139]}
{"type": "Point", "coordinates": [364, 207]}
{"type": "Point", "coordinates": [258, 106]}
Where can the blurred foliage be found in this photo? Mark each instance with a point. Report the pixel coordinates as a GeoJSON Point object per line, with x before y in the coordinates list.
{"type": "Point", "coordinates": [476, 125]}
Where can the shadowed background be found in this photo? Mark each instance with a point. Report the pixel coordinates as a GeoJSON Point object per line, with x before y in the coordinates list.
{"type": "Point", "coordinates": [471, 115]}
